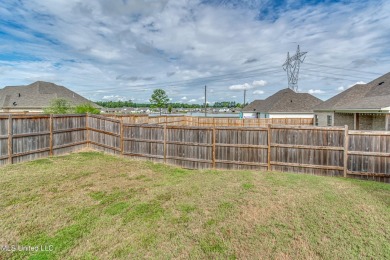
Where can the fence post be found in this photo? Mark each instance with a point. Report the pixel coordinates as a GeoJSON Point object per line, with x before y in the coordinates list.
{"type": "Point", "coordinates": [87, 129]}
{"type": "Point", "coordinates": [214, 136]}
{"type": "Point", "coordinates": [121, 137]}
{"type": "Point", "coordinates": [51, 134]}
{"type": "Point", "coordinates": [165, 143]}
{"type": "Point", "coordinates": [346, 143]}
{"type": "Point", "coordinates": [269, 147]}
{"type": "Point", "coordinates": [10, 148]}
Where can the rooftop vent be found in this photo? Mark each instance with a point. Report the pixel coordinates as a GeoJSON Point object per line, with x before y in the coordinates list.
{"type": "Point", "coordinates": [380, 83]}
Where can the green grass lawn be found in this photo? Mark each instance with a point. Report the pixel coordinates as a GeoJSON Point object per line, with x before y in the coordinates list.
{"type": "Point", "coordinates": [94, 206]}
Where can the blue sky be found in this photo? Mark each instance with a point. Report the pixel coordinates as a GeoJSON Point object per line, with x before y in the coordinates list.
{"type": "Point", "coordinates": [123, 49]}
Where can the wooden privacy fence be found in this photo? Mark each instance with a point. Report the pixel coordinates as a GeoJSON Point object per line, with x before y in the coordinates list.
{"type": "Point", "coordinates": [331, 151]}
{"type": "Point", "coordinates": [25, 138]}
{"type": "Point", "coordinates": [209, 121]}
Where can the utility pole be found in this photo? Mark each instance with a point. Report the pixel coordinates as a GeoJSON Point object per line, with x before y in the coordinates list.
{"type": "Point", "coordinates": [244, 98]}
{"type": "Point", "coordinates": [205, 101]}
{"type": "Point", "coordinates": [292, 65]}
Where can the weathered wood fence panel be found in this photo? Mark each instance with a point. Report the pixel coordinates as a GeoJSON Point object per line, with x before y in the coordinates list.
{"type": "Point", "coordinates": [69, 133]}
{"type": "Point", "coordinates": [189, 147]}
{"type": "Point", "coordinates": [369, 155]}
{"type": "Point", "coordinates": [241, 148]}
{"type": "Point", "coordinates": [29, 137]}
{"type": "Point", "coordinates": [144, 141]}
{"type": "Point", "coordinates": [311, 150]}
{"type": "Point", "coordinates": [4, 140]}
{"type": "Point", "coordinates": [104, 134]}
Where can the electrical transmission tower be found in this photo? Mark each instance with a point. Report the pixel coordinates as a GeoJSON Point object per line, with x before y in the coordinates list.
{"type": "Point", "coordinates": [292, 65]}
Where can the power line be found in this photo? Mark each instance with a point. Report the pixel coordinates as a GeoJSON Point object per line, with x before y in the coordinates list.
{"type": "Point", "coordinates": [331, 77]}
{"type": "Point", "coordinates": [332, 67]}
{"type": "Point", "coordinates": [336, 74]}
{"type": "Point", "coordinates": [197, 81]}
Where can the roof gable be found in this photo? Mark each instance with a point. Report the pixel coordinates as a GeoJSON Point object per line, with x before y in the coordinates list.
{"type": "Point", "coordinates": [285, 100]}
{"type": "Point", "coordinates": [37, 95]}
{"type": "Point", "coordinates": [373, 95]}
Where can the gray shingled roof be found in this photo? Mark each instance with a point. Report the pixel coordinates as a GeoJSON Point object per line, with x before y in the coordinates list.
{"type": "Point", "coordinates": [286, 101]}
{"type": "Point", "coordinates": [37, 95]}
{"type": "Point", "coordinates": [373, 95]}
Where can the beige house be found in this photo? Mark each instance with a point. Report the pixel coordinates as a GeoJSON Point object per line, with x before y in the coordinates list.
{"type": "Point", "coordinates": [361, 107]}
{"type": "Point", "coordinates": [283, 104]}
{"type": "Point", "coordinates": [34, 98]}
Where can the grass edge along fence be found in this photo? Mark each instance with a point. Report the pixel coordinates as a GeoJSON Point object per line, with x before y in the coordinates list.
{"type": "Point", "coordinates": [331, 151]}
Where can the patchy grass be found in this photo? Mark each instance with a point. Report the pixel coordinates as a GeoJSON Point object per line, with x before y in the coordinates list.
{"type": "Point", "coordinates": [95, 206]}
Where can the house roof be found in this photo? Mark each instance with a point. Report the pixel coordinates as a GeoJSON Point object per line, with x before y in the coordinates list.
{"type": "Point", "coordinates": [37, 95]}
{"type": "Point", "coordinates": [285, 100]}
{"type": "Point", "coordinates": [373, 95]}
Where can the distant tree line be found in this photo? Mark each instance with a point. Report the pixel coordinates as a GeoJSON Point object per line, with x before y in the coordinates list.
{"type": "Point", "coordinates": [129, 103]}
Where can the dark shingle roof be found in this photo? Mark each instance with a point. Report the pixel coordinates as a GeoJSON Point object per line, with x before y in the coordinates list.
{"type": "Point", "coordinates": [37, 95]}
{"type": "Point", "coordinates": [373, 95]}
{"type": "Point", "coordinates": [285, 100]}
{"type": "Point", "coordinates": [253, 106]}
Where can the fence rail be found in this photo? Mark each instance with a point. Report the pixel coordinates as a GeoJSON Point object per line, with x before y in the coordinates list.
{"type": "Point", "coordinates": [209, 121]}
{"type": "Point", "coordinates": [332, 151]}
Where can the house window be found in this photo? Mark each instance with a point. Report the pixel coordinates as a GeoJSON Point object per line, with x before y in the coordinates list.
{"type": "Point", "coordinates": [329, 120]}
{"type": "Point", "coordinates": [316, 120]}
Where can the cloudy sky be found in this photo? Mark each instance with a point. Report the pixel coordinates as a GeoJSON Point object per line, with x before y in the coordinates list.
{"type": "Point", "coordinates": [124, 49]}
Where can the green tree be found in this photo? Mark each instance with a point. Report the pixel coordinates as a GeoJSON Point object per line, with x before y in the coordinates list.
{"type": "Point", "coordinates": [58, 106]}
{"type": "Point", "coordinates": [170, 109]}
{"type": "Point", "coordinates": [159, 99]}
{"type": "Point", "coordinates": [86, 108]}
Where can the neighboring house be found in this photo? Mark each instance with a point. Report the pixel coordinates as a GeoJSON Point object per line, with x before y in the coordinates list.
{"type": "Point", "coordinates": [283, 104]}
{"type": "Point", "coordinates": [363, 107]}
{"type": "Point", "coordinates": [36, 97]}
{"type": "Point", "coordinates": [118, 110]}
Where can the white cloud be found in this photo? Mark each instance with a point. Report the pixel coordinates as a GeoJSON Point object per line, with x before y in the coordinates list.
{"type": "Point", "coordinates": [114, 98]}
{"type": "Point", "coordinates": [192, 100]}
{"type": "Point", "coordinates": [259, 83]}
{"type": "Point", "coordinates": [246, 86]}
{"type": "Point", "coordinates": [184, 98]}
{"type": "Point", "coordinates": [316, 91]}
{"type": "Point", "coordinates": [258, 92]}
{"type": "Point", "coordinates": [241, 87]}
